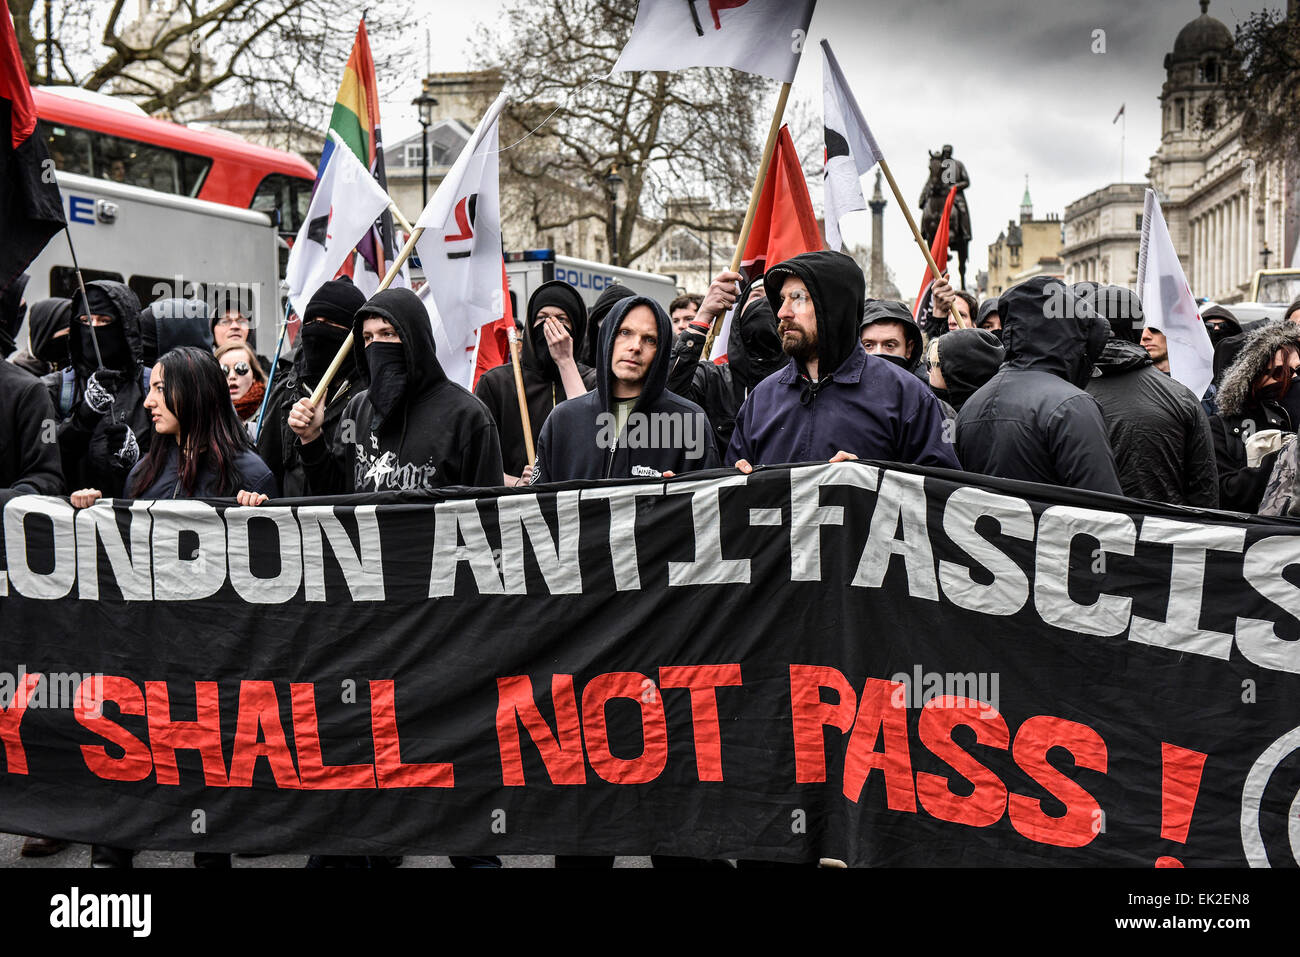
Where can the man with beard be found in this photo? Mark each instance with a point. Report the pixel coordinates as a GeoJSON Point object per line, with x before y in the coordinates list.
{"type": "Point", "coordinates": [1033, 421]}
{"type": "Point", "coordinates": [104, 427]}
{"type": "Point", "coordinates": [325, 324]}
{"type": "Point", "coordinates": [889, 331]}
{"type": "Point", "coordinates": [753, 352]}
{"type": "Point", "coordinates": [557, 319]}
{"type": "Point", "coordinates": [413, 428]}
{"type": "Point", "coordinates": [832, 400]}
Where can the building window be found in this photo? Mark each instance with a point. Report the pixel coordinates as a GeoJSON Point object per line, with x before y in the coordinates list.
{"type": "Point", "coordinates": [1182, 114]}
{"type": "Point", "coordinates": [1210, 71]}
{"type": "Point", "coordinates": [1137, 222]}
{"type": "Point", "coordinates": [414, 154]}
{"type": "Point", "coordinates": [1209, 116]}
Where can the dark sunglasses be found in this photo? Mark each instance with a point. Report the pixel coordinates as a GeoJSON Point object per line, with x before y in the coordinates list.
{"type": "Point", "coordinates": [241, 368]}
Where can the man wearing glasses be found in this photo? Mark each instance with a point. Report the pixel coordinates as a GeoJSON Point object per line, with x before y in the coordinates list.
{"type": "Point", "coordinates": [833, 401]}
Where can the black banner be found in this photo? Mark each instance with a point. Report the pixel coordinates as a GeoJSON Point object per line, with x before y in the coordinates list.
{"type": "Point", "coordinates": [876, 665]}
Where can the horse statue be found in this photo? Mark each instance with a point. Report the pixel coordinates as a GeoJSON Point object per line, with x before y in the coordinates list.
{"type": "Point", "coordinates": [945, 173]}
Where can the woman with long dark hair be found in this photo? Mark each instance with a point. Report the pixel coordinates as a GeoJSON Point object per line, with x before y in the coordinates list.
{"type": "Point", "coordinates": [200, 448]}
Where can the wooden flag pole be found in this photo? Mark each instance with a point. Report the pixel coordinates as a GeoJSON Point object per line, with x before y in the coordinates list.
{"type": "Point", "coordinates": [916, 232]}
{"type": "Point", "coordinates": [768, 149]}
{"type": "Point", "coordinates": [346, 347]}
{"type": "Point", "coordinates": [401, 220]}
{"type": "Point", "coordinates": [519, 392]}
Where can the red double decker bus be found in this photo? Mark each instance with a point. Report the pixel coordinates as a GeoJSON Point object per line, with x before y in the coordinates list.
{"type": "Point", "coordinates": [96, 136]}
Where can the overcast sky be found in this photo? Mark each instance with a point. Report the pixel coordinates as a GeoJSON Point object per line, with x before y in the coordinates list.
{"type": "Point", "coordinates": [1013, 85]}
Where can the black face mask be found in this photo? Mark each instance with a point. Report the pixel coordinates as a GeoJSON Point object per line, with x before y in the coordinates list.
{"type": "Point", "coordinates": [387, 364]}
{"type": "Point", "coordinates": [318, 345]}
{"type": "Point", "coordinates": [900, 361]}
{"type": "Point", "coordinates": [54, 351]}
{"type": "Point", "coordinates": [1291, 402]}
{"type": "Point", "coordinates": [112, 347]}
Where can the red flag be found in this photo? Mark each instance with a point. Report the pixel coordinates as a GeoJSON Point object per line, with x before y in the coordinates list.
{"type": "Point", "coordinates": [31, 208]}
{"type": "Point", "coordinates": [938, 249]}
{"type": "Point", "coordinates": [494, 338]}
{"type": "Point", "coordinates": [784, 223]}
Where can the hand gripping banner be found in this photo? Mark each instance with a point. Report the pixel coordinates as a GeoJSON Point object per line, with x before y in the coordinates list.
{"type": "Point", "coordinates": [879, 664]}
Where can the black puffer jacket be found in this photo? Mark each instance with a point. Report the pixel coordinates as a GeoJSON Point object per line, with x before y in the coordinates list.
{"type": "Point", "coordinates": [1157, 428]}
{"type": "Point", "coordinates": [99, 448]}
{"type": "Point", "coordinates": [543, 384]}
{"type": "Point", "coordinates": [439, 436]}
{"type": "Point", "coordinates": [577, 440]}
{"type": "Point", "coordinates": [1241, 414]}
{"type": "Point", "coordinates": [1033, 421]}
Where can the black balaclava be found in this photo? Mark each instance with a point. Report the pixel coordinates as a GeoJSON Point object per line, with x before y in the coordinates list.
{"type": "Point", "coordinates": [337, 301]}
{"type": "Point", "coordinates": [113, 346]}
{"type": "Point", "coordinates": [1229, 326]}
{"type": "Point", "coordinates": [45, 318]}
{"type": "Point", "coordinates": [387, 364]}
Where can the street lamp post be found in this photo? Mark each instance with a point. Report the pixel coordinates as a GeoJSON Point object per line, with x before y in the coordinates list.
{"type": "Point", "coordinates": [1265, 253]}
{"type": "Point", "coordinates": [612, 182]}
{"type": "Point", "coordinates": [425, 104]}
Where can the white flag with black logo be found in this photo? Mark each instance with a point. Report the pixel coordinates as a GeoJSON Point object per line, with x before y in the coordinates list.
{"type": "Point", "coordinates": [851, 150]}
{"type": "Point", "coordinates": [345, 205]}
{"type": "Point", "coordinates": [1168, 304]}
{"type": "Point", "coordinates": [757, 36]}
{"type": "Point", "coordinates": [460, 250]}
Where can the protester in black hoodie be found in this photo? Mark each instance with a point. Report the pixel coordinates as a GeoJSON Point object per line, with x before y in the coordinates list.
{"type": "Point", "coordinates": [1258, 393]}
{"type": "Point", "coordinates": [170, 323]}
{"type": "Point", "coordinates": [889, 331]}
{"type": "Point", "coordinates": [29, 461]}
{"type": "Point", "coordinates": [48, 324]}
{"type": "Point", "coordinates": [753, 352]}
{"type": "Point", "coordinates": [961, 362]}
{"type": "Point", "coordinates": [550, 372]}
{"type": "Point", "coordinates": [616, 431]}
{"type": "Point", "coordinates": [413, 428]}
{"type": "Point", "coordinates": [1033, 421]}
{"type": "Point", "coordinates": [104, 428]}
{"type": "Point", "coordinates": [327, 320]}
{"type": "Point", "coordinates": [1156, 427]}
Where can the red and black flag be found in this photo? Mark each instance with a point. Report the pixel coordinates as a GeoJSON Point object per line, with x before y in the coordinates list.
{"type": "Point", "coordinates": [31, 209]}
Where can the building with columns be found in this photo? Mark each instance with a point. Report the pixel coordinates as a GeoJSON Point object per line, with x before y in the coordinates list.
{"type": "Point", "coordinates": [1103, 232]}
{"type": "Point", "coordinates": [1222, 205]}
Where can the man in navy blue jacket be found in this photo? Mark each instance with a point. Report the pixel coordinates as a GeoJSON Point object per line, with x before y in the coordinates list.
{"type": "Point", "coordinates": [630, 425]}
{"type": "Point", "coordinates": [833, 401]}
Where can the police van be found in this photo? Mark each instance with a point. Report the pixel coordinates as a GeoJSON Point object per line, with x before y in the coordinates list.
{"type": "Point", "coordinates": [527, 270]}
{"type": "Point", "coordinates": [163, 246]}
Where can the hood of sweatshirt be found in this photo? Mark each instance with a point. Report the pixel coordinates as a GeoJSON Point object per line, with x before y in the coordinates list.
{"type": "Point", "coordinates": [1047, 328]}
{"type": "Point", "coordinates": [44, 319]}
{"type": "Point", "coordinates": [968, 358]}
{"type": "Point", "coordinates": [753, 344]}
{"type": "Point", "coordinates": [406, 313]}
{"type": "Point", "coordinates": [109, 298]}
{"type": "Point", "coordinates": [1119, 356]}
{"type": "Point", "coordinates": [537, 354]}
{"type": "Point", "coordinates": [890, 310]}
{"type": "Point", "coordinates": [169, 323]}
{"type": "Point", "coordinates": [838, 291]}
{"type": "Point", "coordinates": [656, 380]}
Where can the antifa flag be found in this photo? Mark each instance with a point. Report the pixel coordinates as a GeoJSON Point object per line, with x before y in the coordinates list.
{"type": "Point", "coordinates": [31, 208]}
{"type": "Point", "coordinates": [885, 665]}
{"type": "Point", "coordinates": [851, 150]}
{"type": "Point", "coordinates": [938, 250]}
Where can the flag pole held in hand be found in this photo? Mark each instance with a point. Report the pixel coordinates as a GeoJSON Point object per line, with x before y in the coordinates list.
{"type": "Point", "coordinates": [519, 391]}
{"type": "Point", "coordinates": [346, 347]}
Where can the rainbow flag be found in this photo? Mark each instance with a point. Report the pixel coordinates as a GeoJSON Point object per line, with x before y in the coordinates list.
{"type": "Point", "coordinates": [356, 121]}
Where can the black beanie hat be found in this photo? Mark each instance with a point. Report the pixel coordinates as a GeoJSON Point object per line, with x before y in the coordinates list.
{"type": "Point", "coordinates": [560, 295]}
{"type": "Point", "coordinates": [336, 301]}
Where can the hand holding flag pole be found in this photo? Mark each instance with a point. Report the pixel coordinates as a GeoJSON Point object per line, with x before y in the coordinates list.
{"type": "Point", "coordinates": [519, 392]}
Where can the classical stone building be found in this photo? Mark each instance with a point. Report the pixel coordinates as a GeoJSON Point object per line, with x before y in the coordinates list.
{"type": "Point", "coordinates": [1102, 234]}
{"type": "Point", "coordinates": [1028, 248]}
{"type": "Point", "coordinates": [1223, 207]}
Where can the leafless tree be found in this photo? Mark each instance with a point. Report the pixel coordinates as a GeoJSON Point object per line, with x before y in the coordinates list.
{"type": "Point", "coordinates": [692, 134]}
{"type": "Point", "coordinates": [288, 54]}
{"type": "Point", "coordinates": [1263, 85]}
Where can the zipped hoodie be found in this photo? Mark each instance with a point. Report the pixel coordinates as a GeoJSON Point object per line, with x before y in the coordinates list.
{"type": "Point", "coordinates": [439, 436]}
{"type": "Point", "coordinates": [663, 433]}
{"type": "Point", "coordinates": [861, 404]}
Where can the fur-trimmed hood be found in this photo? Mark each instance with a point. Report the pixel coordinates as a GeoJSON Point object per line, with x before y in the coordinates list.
{"type": "Point", "coordinates": [1255, 355]}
